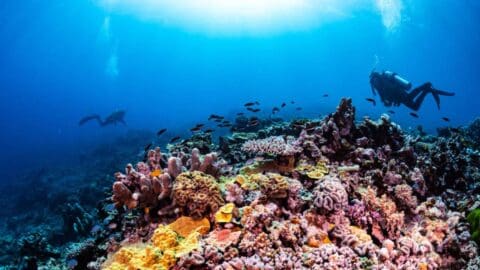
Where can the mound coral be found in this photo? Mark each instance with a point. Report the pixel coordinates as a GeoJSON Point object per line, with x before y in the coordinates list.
{"type": "Point", "coordinates": [197, 194]}
{"type": "Point", "coordinates": [329, 195]}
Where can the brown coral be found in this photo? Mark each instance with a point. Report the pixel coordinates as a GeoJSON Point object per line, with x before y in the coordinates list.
{"type": "Point", "coordinates": [273, 185]}
{"type": "Point", "coordinates": [197, 193]}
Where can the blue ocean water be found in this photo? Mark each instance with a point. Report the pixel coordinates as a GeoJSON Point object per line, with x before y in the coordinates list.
{"type": "Point", "coordinates": [60, 61]}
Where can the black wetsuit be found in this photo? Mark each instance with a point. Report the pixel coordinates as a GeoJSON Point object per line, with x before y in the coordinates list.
{"type": "Point", "coordinates": [394, 92]}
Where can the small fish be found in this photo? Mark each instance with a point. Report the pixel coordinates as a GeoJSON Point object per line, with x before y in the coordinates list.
{"type": "Point", "coordinates": [218, 120]}
{"type": "Point", "coordinates": [209, 130]}
{"type": "Point", "coordinates": [446, 119]}
{"type": "Point", "coordinates": [249, 104]}
{"type": "Point", "coordinates": [275, 109]}
{"type": "Point", "coordinates": [292, 102]}
{"type": "Point", "coordinates": [253, 123]}
{"type": "Point", "coordinates": [391, 112]}
{"type": "Point", "coordinates": [255, 110]}
{"type": "Point", "coordinates": [414, 114]}
{"type": "Point", "coordinates": [214, 116]}
{"type": "Point", "coordinates": [298, 108]}
{"type": "Point", "coordinates": [161, 131]}
{"type": "Point", "coordinates": [325, 95]}
{"type": "Point", "coordinates": [148, 147]}
{"type": "Point", "coordinates": [372, 101]}
{"type": "Point", "coordinates": [199, 125]}
{"type": "Point", "coordinates": [284, 104]}
{"type": "Point", "coordinates": [174, 139]}
{"type": "Point", "coordinates": [240, 114]}
{"type": "Point", "coordinates": [227, 125]}
{"type": "Point", "coordinates": [195, 129]}
{"type": "Point", "coordinates": [225, 121]}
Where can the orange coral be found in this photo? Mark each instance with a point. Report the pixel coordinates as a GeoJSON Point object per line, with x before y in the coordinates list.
{"type": "Point", "coordinates": [184, 226]}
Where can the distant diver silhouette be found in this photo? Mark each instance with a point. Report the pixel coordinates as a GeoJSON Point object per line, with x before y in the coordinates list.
{"type": "Point", "coordinates": [394, 90]}
{"type": "Point", "coordinates": [112, 119]}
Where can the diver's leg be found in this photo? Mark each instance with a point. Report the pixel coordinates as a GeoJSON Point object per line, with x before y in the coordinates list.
{"type": "Point", "coordinates": [415, 104]}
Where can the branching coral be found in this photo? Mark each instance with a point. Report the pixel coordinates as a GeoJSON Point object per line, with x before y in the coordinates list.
{"type": "Point", "coordinates": [276, 146]}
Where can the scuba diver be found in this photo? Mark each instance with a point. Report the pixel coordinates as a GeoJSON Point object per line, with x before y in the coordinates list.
{"type": "Point", "coordinates": [395, 90]}
{"type": "Point", "coordinates": [112, 119]}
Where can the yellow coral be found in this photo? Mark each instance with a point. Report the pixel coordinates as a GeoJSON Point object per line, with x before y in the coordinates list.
{"type": "Point", "coordinates": [184, 226]}
{"type": "Point", "coordinates": [319, 171]}
{"type": "Point", "coordinates": [224, 214]}
{"type": "Point", "coordinates": [164, 238]}
{"type": "Point", "coordinates": [188, 244]}
{"type": "Point", "coordinates": [161, 253]}
{"type": "Point", "coordinates": [361, 234]}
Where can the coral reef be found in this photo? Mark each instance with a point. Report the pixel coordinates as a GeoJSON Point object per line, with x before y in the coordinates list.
{"type": "Point", "coordinates": [307, 194]}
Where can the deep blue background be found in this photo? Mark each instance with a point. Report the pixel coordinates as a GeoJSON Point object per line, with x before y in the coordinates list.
{"type": "Point", "coordinates": [53, 60]}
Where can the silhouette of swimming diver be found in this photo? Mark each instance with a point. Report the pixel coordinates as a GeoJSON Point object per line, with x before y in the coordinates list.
{"type": "Point", "coordinates": [112, 119]}
{"type": "Point", "coordinates": [394, 90]}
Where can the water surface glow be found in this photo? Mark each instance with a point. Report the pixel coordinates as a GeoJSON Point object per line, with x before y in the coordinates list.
{"type": "Point", "coordinates": [253, 16]}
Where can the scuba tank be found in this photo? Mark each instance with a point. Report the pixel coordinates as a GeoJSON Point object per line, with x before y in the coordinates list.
{"type": "Point", "coordinates": [399, 80]}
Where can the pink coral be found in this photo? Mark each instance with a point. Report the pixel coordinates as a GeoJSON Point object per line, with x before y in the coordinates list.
{"type": "Point", "coordinates": [330, 195]}
{"type": "Point", "coordinates": [276, 145]}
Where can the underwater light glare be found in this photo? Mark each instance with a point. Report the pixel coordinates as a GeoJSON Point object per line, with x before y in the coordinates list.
{"type": "Point", "coordinates": [237, 16]}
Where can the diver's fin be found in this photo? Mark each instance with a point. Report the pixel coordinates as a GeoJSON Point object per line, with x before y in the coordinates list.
{"type": "Point", "coordinates": [89, 118]}
{"type": "Point", "coordinates": [443, 93]}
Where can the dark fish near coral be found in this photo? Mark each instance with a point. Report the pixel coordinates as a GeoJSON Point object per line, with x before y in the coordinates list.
{"type": "Point", "coordinates": [325, 95]}
{"type": "Point", "coordinates": [275, 109]}
{"type": "Point", "coordinates": [240, 114]}
{"type": "Point", "coordinates": [371, 100]}
{"type": "Point", "coordinates": [214, 116]}
{"type": "Point", "coordinates": [391, 112]}
{"type": "Point", "coordinates": [298, 108]}
{"type": "Point", "coordinates": [414, 114]}
{"type": "Point", "coordinates": [284, 104]}
{"type": "Point", "coordinates": [218, 120]}
{"type": "Point", "coordinates": [446, 119]}
{"type": "Point", "coordinates": [209, 130]}
{"type": "Point", "coordinates": [148, 146]}
{"type": "Point", "coordinates": [253, 123]}
{"type": "Point", "coordinates": [225, 121]}
{"type": "Point", "coordinates": [174, 139]}
{"type": "Point", "coordinates": [199, 125]}
{"type": "Point", "coordinates": [195, 129]}
{"type": "Point", "coordinates": [249, 104]}
{"type": "Point", "coordinates": [161, 131]}
{"type": "Point", "coordinates": [253, 110]}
